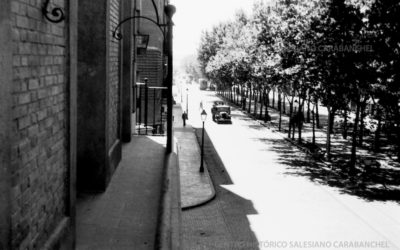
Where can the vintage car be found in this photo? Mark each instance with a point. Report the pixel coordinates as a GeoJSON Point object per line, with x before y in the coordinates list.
{"type": "Point", "coordinates": [221, 113]}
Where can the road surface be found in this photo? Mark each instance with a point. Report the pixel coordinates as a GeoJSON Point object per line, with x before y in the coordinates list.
{"type": "Point", "coordinates": [267, 198]}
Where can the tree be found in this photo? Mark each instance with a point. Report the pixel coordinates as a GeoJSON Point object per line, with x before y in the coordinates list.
{"type": "Point", "coordinates": [336, 61]}
{"type": "Point", "coordinates": [191, 67]}
{"type": "Point", "coordinates": [384, 26]}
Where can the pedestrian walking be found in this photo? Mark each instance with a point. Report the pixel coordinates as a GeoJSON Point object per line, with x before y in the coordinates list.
{"type": "Point", "coordinates": [184, 118]}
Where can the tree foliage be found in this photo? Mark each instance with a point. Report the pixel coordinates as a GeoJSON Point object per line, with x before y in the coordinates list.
{"type": "Point", "coordinates": [336, 51]}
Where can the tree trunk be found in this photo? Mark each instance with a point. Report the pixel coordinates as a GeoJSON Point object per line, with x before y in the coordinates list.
{"type": "Point", "coordinates": [273, 98]}
{"type": "Point", "coordinates": [317, 114]}
{"type": "Point", "coordinates": [293, 131]}
{"type": "Point", "coordinates": [378, 132]}
{"type": "Point", "coordinates": [238, 96]}
{"type": "Point", "coordinates": [332, 120]}
{"type": "Point", "coordinates": [241, 95]}
{"type": "Point", "coordinates": [284, 104]}
{"type": "Point", "coordinates": [308, 108]}
{"type": "Point", "coordinates": [278, 104]}
{"type": "Point", "coordinates": [313, 126]}
{"type": "Point", "coordinates": [353, 156]}
{"type": "Point", "coordinates": [249, 108]}
{"type": "Point", "coordinates": [235, 95]}
{"type": "Point", "coordinates": [398, 141]}
{"type": "Point", "coordinates": [280, 113]}
{"type": "Point", "coordinates": [328, 135]}
{"type": "Point", "coordinates": [245, 98]}
{"type": "Point", "coordinates": [361, 134]}
{"type": "Point", "coordinates": [262, 100]}
{"type": "Point", "coordinates": [345, 124]}
{"type": "Point", "coordinates": [290, 116]}
{"type": "Point", "coordinates": [255, 103]}
{"type": "Point", "coordinates": [300, 122]}
{"type": "Point", "coordinates": [266, 115]}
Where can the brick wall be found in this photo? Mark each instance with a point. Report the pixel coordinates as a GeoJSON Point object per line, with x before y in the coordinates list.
{"type": "Point", "coordinates": [114, 73]}
{"type": "Point", "coordinates": [150, 65]}
{"type": "Point", "coordinates": [39, 162]}
{"type": "Point", "coordinates": [147, 27]}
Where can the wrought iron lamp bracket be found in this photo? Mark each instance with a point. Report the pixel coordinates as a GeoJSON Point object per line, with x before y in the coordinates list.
{"type": "Point", "coordinates": [117, 35]}
{"type": "Point", "coordinates": [56, 15]}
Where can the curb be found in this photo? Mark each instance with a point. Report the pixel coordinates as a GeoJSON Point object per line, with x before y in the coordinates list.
{"type": "Point", "coordinates": [168, 235]}
{"type": "Point", "coordinates": [205, 174]}
{"type": "Point", "coordinates": [207, 199]}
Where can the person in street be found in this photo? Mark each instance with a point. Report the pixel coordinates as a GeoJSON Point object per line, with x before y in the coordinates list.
{"type": "Point", "coordinates": [184, 118]}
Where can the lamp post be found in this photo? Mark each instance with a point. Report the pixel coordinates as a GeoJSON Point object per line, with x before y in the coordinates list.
{"type": "Point", "coordinates": [187, 102]}
{"type": "Point", "coordinates": [169, 11]}
{"type": "Point", "coordinates": [203, 119]}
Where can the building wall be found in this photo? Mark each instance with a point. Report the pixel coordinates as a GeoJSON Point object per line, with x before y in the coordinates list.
{"type": "Point", "coordinates": [146, 27]}
{"type": "Point", "coordinates": [49, 123]}
{"type": "Point", "coordinates": [150, 64]}
{"type": "Point", "coordinates": [6, 130]}
{"type": "Point", "coordinates": [114, 77]}
{"type": "Point", "coordinates": [127, 68]}
{"type": "Point", "coordinates": [38, 162]}
{"type": "Point", "coordinates": [99, 94]}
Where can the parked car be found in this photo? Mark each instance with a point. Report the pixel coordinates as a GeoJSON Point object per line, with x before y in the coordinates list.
{"type": "Point", "coordinates": [203, 84]}
{"type": "Point", "coordinates": [212, 87]}
{"type": "Point", "coordinates": [221, 113]}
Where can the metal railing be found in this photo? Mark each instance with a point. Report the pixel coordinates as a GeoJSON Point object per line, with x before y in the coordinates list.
{"type": "Point", "coordinates": [151, 110]}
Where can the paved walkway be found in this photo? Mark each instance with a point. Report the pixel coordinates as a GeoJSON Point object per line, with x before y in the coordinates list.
{"type": "Point", "coordinates": [196, 187]}
{"type": "Point", "coordinates": [125, 216]}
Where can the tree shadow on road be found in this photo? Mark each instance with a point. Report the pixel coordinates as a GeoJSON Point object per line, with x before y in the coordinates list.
{"type": "Point", "coordinates": [377, 184]}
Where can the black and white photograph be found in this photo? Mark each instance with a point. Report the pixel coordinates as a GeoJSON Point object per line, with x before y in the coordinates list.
{"type": "Point", "coordinates": [199, 125]}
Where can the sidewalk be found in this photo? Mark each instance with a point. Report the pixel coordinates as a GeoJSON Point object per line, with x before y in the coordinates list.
{"type": "Point", "coordinates": [196, 187]}
{"type": "Point", "coordinates": [127, 214]}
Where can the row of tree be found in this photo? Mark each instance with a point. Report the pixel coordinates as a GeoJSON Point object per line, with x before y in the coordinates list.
{"type": "Point", "coordinates": [336, 52]}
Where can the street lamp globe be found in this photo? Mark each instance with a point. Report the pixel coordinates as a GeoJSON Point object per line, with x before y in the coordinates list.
{"type": "Point", "coordinates": [203, 115]}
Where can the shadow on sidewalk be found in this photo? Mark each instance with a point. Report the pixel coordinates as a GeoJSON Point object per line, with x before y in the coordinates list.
{"type": "Point", "coordinates": [223, 223]}
{"type": "Point", "coordinates": [126, 214]}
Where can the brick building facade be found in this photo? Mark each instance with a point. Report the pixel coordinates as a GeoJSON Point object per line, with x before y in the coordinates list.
{"type": "Point", "coordinates": [35, 158]}
{"type": "Point", "coordinates": [152, 63]}
{"type": "Point", "coordinates": [99, 94]}
{"type": "Point", "coordinates": [65, 109]}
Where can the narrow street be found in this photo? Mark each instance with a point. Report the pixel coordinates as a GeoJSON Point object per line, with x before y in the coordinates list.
{"type": "Point", "coordinates": [266, 200]}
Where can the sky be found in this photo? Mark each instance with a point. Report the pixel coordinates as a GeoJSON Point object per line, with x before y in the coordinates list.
{"type": "Point", "coordinates": [194, 16]}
